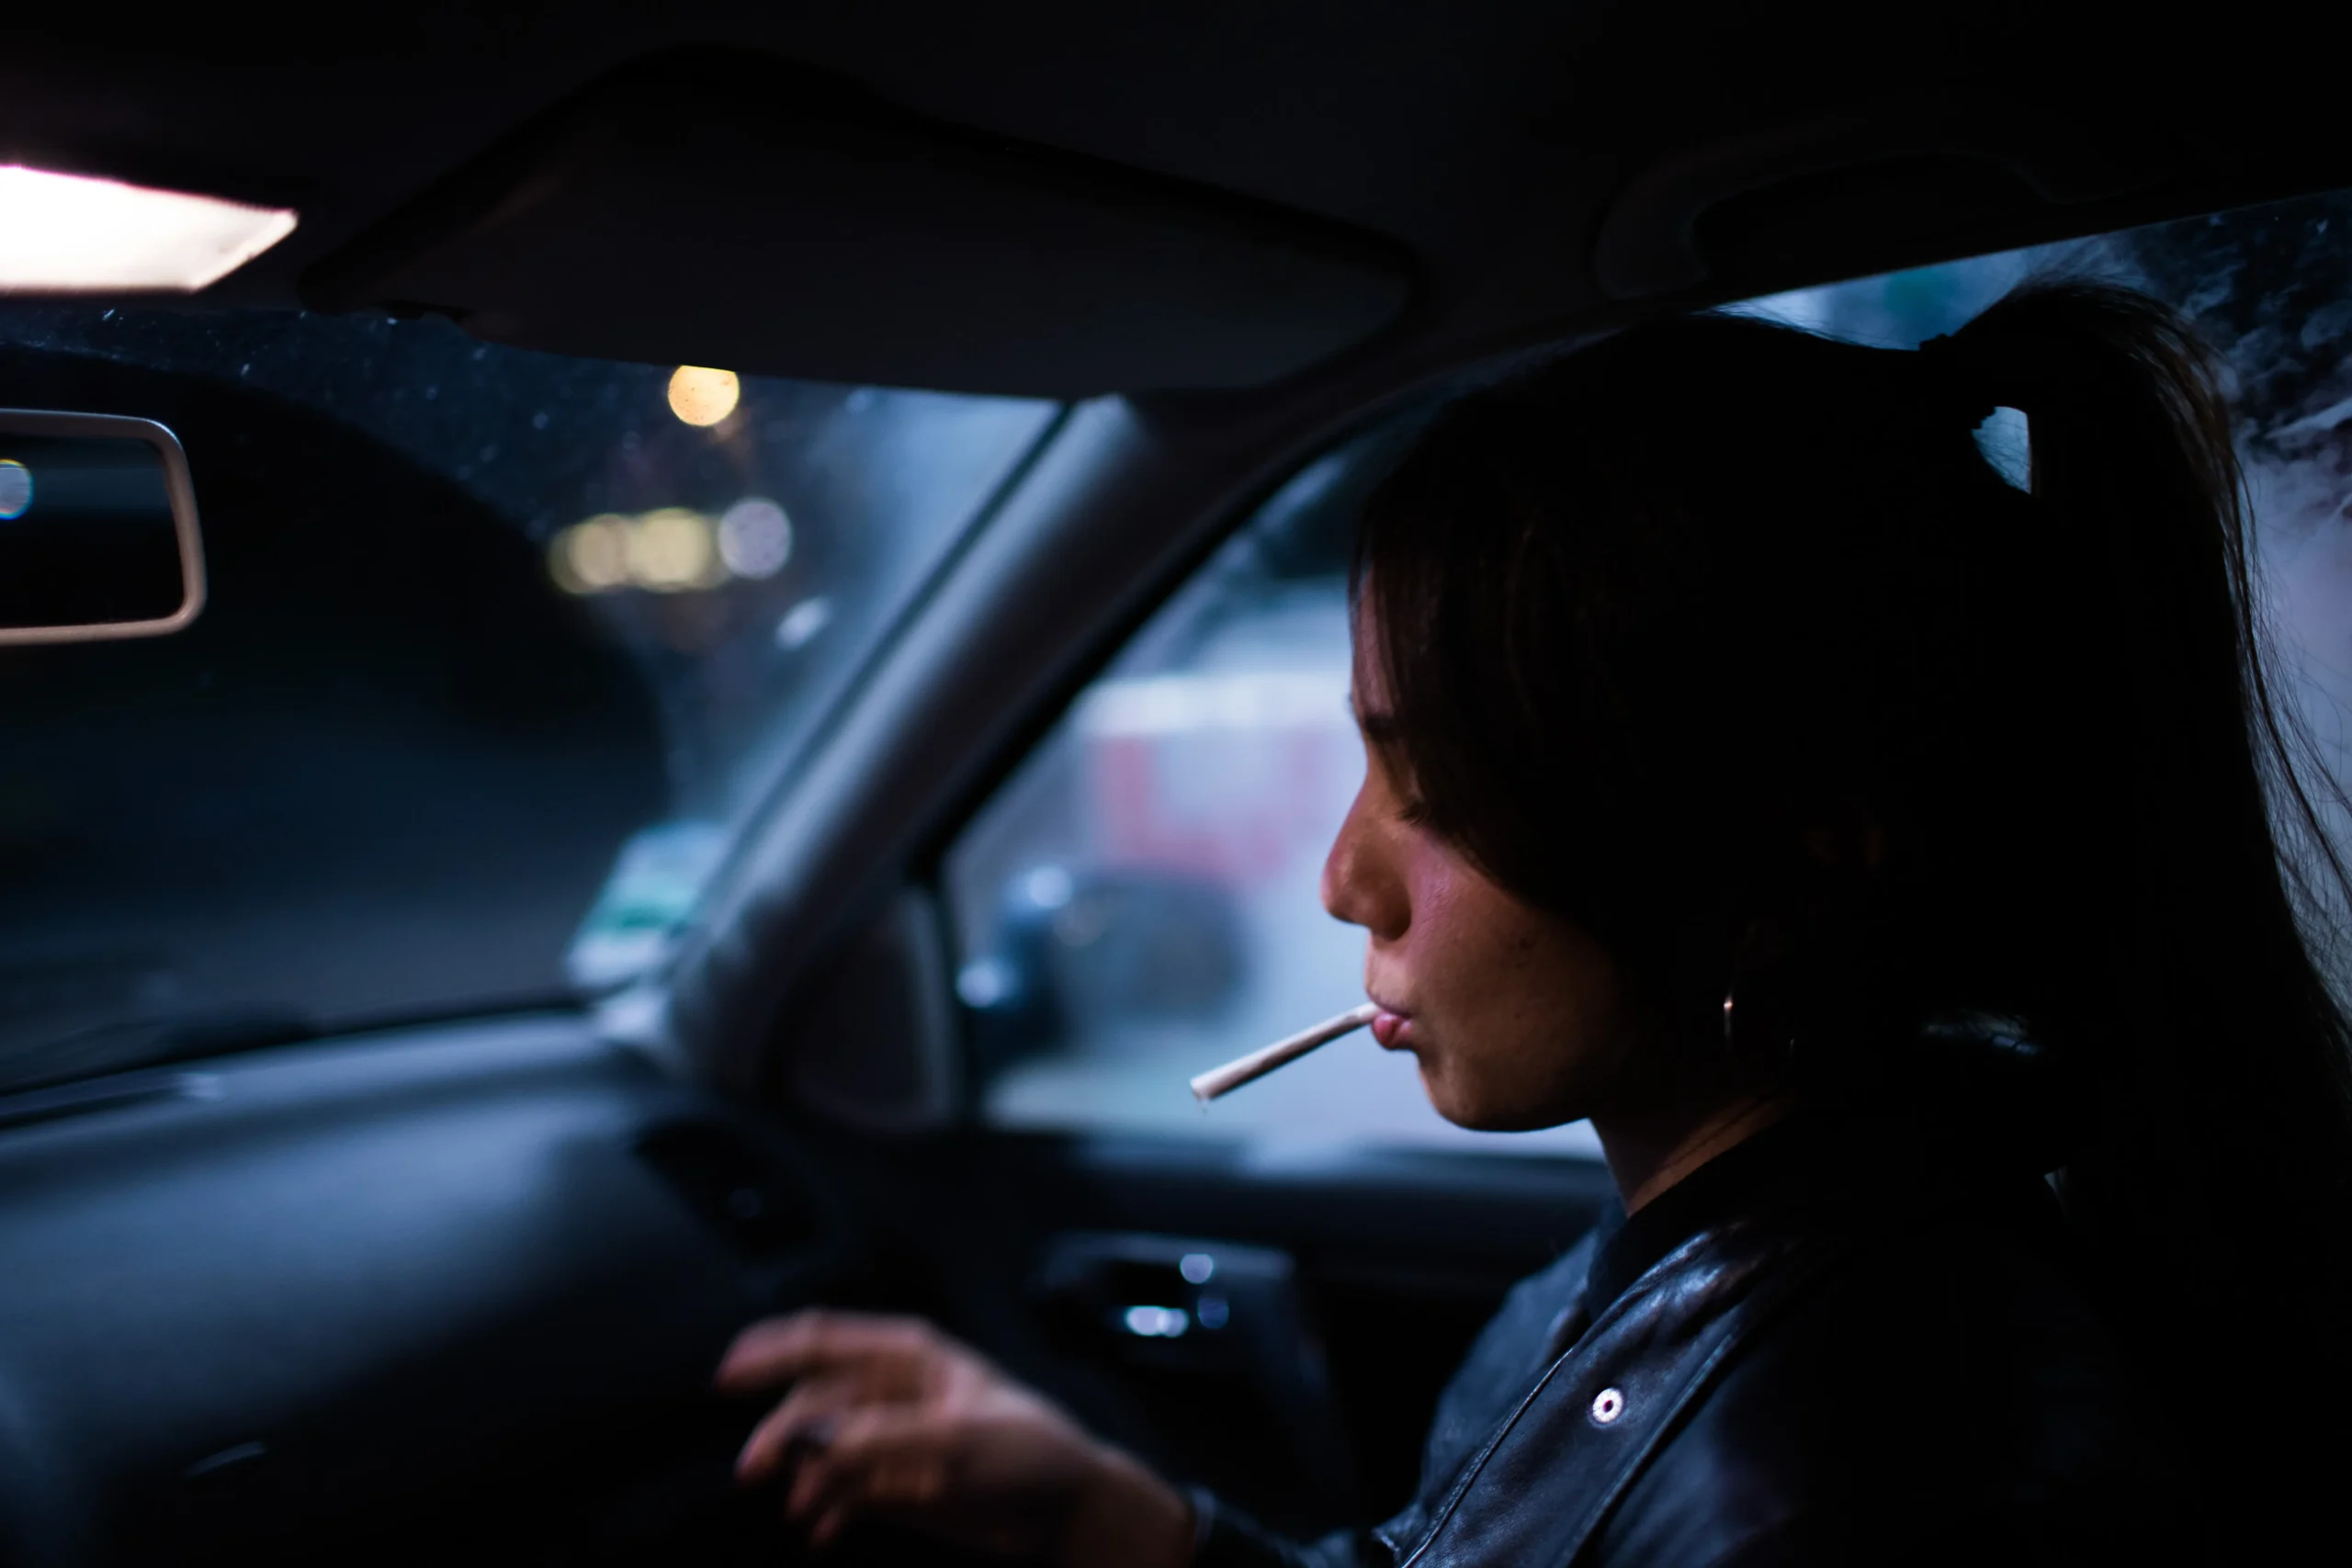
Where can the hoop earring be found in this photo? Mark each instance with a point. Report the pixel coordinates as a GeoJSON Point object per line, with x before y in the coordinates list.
{"type": "Point", "coordinates": [1787, 1042]}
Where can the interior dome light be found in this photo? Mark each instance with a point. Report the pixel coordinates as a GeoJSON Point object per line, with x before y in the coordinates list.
{"type": "Point", "coordinates": [70, 234]}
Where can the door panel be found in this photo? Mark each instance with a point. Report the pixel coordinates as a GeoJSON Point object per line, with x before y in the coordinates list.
{"type": "Point", "coordinates": [1212, 1337]}
{"type": "Point", "coordinates": [1390, 1262]}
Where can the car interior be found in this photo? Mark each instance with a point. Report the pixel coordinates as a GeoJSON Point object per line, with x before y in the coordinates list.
{"type": "Point", "coordinates": [766, 681]}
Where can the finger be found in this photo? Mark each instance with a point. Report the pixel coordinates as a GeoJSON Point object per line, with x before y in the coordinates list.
{"type": "Point", "coordinates": [804, 1418]}
{"type": "Point", "coordinates": [873, 1451]}
{"type": "Point", "coordinates": [906, 1483]}
{"type": "Point", "coordinates": [807, 1415]}
{"type": "Point", "coordinates": [892, 1488]}
{"type": "Point", "coordinates": [779, 1349]}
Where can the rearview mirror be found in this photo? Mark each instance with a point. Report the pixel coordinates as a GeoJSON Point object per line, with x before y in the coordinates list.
{"type": "Point", "coordinates": [97, 529]}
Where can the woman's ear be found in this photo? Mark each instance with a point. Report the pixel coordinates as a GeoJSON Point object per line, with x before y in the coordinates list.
{"type": "Point", "coordinates": [1758, 1018]}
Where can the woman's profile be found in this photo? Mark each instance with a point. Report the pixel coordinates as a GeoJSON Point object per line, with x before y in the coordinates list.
{"type": "Point", "coordinates": [1907, 873]}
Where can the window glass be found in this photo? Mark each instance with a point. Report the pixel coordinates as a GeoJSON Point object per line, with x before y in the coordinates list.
{"type": "Point", "coordinates": [1140, 901]}
{"type": "Point", "coordinates": [502, 649]}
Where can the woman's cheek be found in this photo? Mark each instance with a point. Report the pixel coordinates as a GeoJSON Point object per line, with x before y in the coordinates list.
{"type": "Point", "coordinates": [1436, 880]}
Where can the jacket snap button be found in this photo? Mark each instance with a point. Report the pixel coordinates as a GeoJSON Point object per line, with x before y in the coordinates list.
{"type": "Point", "coordinates": [1607, 1405]}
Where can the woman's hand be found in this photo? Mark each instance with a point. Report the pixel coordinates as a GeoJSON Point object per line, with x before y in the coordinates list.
{"type": "Point", "coordinates": [888, 1417]}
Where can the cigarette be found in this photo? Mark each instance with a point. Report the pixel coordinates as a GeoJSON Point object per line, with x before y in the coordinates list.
{"type": "Point", "coordinates": [1266, 1058]}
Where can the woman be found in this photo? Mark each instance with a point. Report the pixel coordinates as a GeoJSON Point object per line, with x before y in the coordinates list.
{"type": "Point", "coordinates": [1854, 837]}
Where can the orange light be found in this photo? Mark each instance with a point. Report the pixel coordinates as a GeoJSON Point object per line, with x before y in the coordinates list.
{"type": "Point", "coordinates": [702, 396]}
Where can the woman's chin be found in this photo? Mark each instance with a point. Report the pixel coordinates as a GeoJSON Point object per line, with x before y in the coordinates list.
{"type": "Point", "coordinates": [1462, 1105]}
{"type": "Point", "coordinates": [1448, 1099]}
{"type": "Point", "coordinates": [1433, 1085]}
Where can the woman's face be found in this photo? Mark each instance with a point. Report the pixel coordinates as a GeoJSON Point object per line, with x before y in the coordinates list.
{"type": "Point", "coordinates": [1517, 1018]}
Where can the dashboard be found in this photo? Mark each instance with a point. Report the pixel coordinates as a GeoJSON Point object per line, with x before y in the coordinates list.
{"type": "Point", "coordinates": [458, 1292]}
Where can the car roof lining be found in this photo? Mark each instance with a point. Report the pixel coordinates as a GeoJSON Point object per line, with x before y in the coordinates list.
{"type": "Point", "coordinates": [1529, 171]}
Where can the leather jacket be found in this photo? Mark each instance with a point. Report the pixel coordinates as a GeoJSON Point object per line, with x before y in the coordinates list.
{"type": "Point", "coordinates": [1821, 1347]}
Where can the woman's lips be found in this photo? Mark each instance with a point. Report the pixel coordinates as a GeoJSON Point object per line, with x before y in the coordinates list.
{"type": "Point", "coordinates": [1392, 1030]}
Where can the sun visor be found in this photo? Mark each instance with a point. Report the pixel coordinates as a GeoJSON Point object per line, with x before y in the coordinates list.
{"type": "Point", "coordinates": [720, 211]}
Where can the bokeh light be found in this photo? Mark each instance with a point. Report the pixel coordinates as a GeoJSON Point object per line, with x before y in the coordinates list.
{"type": "Point", "coordinates": [803, 622]}
{"type": "Point", "coordinates": [673, 549]}
{"type": "Point", "coordinates": [754, 538]}
{"type": "Point", "coordinates": [592, 556]}
{"type": "Point", "coordinates": [16, 488]}
{"type": "Point", "coordinates": [702, 396]}
{"type": "Point", "coordinates": [670, 550]}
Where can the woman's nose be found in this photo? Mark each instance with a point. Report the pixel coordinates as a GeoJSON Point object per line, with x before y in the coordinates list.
{"type": "Point", "coordinates": [1358, 886]}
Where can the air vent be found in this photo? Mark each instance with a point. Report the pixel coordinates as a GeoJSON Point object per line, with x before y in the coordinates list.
{"type": "Point", "coordinates": [748, 1195]}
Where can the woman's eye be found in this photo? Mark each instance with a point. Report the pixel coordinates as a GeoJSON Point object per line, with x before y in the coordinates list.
{"type": "Point", "coordinates": [1413, 811]}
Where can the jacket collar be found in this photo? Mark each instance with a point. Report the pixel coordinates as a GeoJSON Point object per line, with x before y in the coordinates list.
{"type": "Point", "coordinates": [1672, 1296]}
{"type": "Point", "coordinates": [1547, 1477]}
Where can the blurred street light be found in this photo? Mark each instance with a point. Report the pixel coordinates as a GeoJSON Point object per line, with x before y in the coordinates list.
{"type": "Point", "coordinates": [702, 396]}
{"type": "Point", "coordinates": [754, 538]}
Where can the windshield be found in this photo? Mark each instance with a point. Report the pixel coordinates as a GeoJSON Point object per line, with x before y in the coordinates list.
{"type": "Point", "coordinates": [500, 647]}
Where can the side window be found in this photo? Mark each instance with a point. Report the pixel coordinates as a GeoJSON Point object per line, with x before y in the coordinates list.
{"type": "Point", "coordinates": [1140, 901]}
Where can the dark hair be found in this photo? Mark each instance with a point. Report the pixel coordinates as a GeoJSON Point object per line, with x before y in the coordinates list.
{"type": "Point", "coordinates": [1644, 617]}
